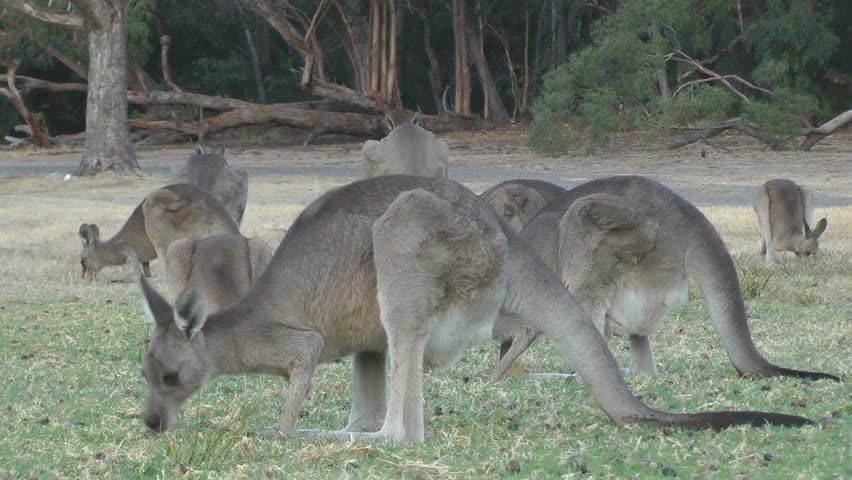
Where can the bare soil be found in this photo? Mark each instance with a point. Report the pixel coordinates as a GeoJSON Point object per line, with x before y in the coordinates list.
{"type": "Point", "coordinates": [721, 173]}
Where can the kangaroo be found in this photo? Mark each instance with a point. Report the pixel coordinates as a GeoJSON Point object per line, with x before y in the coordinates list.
{"type": "Point", "coordinates": [222, 265]}
{"type": "Point", "coordinates": [411, 268]}
{"type": "Point", "coordinates": [129, 245]}
{"type": "Point", "coordinates": [211, 172]}
{"type": "Point", "coordinates": [625, 247]}
{"type": "Point", "coordinates": [517, 201]}
{"type": "Point", "coordinates": [408, 149]}
{"type": "Point", "coordinates": [783, 208]}
{"type": "Point", "coordinates": [183, 211]}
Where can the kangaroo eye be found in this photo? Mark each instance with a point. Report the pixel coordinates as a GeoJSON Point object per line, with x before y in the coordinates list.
{"type": "Point", "coordinates": [171, 379]}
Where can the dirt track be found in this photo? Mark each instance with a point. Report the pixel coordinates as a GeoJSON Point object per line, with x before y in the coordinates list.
{"type": "Point", "coordinates": [730, 169]}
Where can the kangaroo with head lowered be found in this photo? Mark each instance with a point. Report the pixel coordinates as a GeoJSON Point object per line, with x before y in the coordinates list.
{"type": "Point", "coordinates": [412, 268]}
{"type": "Point", "coordinates": [625, 247]}
{"type": "Point", "coordinates": [129, 245]}
{"type": "Point", "coordinates": [783, 209]}
{"type": "Point", "coordinates": [183, 211]}
{"type": "Point", "coordinates": [517, 201]}
{"type": "Point", "coordinates": [223, 266]}
{"type": "Point", "coordinates": [211, 172]}
{"type": "Point", "coordinates": [408, 149]}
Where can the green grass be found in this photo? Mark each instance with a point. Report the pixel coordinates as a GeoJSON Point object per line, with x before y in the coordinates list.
{"type": "Point", "coordinates": [72, 394]}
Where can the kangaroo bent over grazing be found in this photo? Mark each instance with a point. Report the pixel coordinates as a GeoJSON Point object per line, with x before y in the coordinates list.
{"type": "Point", "coordinates": [211, 172]}
{"type": "Point", "coordinates": [625, 247]}
{"type": "Point", "coordinates": [517, 201]}
{"type": "Point", "coordinates": [408, 149]}
{"type": "Point", "coordinates": [223, 266]}
{"type": "Point", "coordinates": [783, 209]}
{"type": "Point", "coordinates": [129, 245]}
{"type": "Point", "coordinates": [413, 268]}
{"type": "Point", "coordinates": [183, 211]}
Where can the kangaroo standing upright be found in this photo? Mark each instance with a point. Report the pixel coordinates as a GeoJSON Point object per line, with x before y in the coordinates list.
{"type": "Point", "coordinates": [408, 149]}
{"type": "Point", "coordinates": [412, 268]}
{"type": "Point", "coordinates": [625, 247]}
{"type": "Point", "coordinates": [211, 172]}
{"type": "Point", "coordinates": [785, 211]}
{"type": "Point", "coordinates": [129, 245]}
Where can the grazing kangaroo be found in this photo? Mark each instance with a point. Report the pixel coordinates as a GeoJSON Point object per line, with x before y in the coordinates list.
{"type": "Point", "coordinates": [211, 172]}
{"type": "Point", "coordinates": [223, 266]}
{"type": "Point", "coordinates": [129, 245]}
{"type": "Point", "coordinates": [517, 201]}
{"type": "Point", "coordinates": [412, 268]}
{"type": "Point", "coordinates": [183, 211]}
{"type": "Point", "coordinates": [408, 149]}
{"type": "Point", "coordinates": [783, 208]}
{"type": "Point", "coordinates": [625, 247]}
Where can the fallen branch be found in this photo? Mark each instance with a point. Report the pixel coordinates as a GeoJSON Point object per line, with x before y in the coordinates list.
{"type": "Point", "coordinates": [824, 130]}
{"type": "Point", "coordinates": [709, 131]}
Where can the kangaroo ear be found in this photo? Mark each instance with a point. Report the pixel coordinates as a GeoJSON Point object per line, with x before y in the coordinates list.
{"type": "Point", "coordinates": [157, 309]}
{"type": "Point", "coordinates": [607, 212]}
{"type": "Point", "coordinates": [89, 234]}
{"type": "Point", "coordinates": [816, 232]}
{"type": "Point", "coordinates": [190, 311]}
{"type": "Point", "coordinates": [220, 150]}
{"type": "Point", "coordinates": [199, 149]}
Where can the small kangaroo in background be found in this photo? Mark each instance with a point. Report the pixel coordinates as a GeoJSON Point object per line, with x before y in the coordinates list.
{"type": "Point", "coordinates": [625, 247]}
{"type": "Point", "coordinates": [183, 211]}
{"type": "Point", "coordinates": [408, 268]}
{"type": "Point", "coordinates": [408, 149]}
{"type": "Point", "coordinates": [223, 266]}
{"type": "Point", "coordinates": [785, 211]}
{"type": "Point", "coordinates": [130, 245]}
{"type": "Point", "coordinates": [211, 172]}
{"type": "Point", "coordinates": [517, 201]}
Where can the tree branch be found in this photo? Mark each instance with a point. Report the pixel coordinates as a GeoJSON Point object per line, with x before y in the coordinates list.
{"type": "Point", "coordinates": [826, 129]}
{"type": "Point", "coordinates": [49, 15]}
{"type": "Point", "coordinates": [715, 58]}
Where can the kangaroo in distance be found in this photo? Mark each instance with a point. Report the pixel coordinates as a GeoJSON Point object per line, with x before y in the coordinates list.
{"type": "Point", "coordinates": [183, 211]}
{"type": "Point", "coordinates": [625, 247]}
{"type": "Point", "coordinates": [129, 245]}
{"type": "Point", "coordinates": [223, 266]}
{"type": "Point", "coordinates": [211, 172]}
{"type": "Point", "coordinates": [517, 201]}
{"type": "Point", "coordinates": [408, 149]}
{"type": "Point", "coordinates": [413, 268]}
{"type": "Point", "coordinates": [783, 208]}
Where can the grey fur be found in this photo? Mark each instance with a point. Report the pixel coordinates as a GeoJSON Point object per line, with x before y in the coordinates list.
{"type": "Point", "coordinates": [412, 268]}
{"type": "Point", "coordinates": [517, 201]}
{"type": "Point", "coordinates": [211, 172]}
{"type": "Point", "coordinates": [223, 266]}
{"type": "Point", "coordinates": [408, 149]}
{"type": "Point", "coordinates": [129, 245]}
{"type": "Point", "coordinates": [785, 212]}
{"type": "Point", "coordinates": [625, 247]}
{"type": "Point", "coordinates": [183, 211]}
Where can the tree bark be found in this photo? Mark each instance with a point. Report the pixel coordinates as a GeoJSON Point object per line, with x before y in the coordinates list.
{"type": "Point", "coordinates": [462, 63]}
{"type": "Point", "coordinates": [493, 108]}
{"type": "Point", "coordinates": [15, 97]}
{"type": "Point", "coordinates": [108, 144]}
{"type": "Point", "coordinates": [423, 10]}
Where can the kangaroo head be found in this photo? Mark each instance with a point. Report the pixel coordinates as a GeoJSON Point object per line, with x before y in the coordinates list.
{"type": "Point", "coordinates": [517, 204]}
{"type": "Point", "coordinates": [810, 244]}
{"type": "Point", "coordinates": [92, 258]}
{"type": "Point", "coordinates": [177, 364]}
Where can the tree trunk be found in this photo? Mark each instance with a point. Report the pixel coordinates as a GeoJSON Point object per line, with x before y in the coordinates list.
{"type": "Point", "coordinates": [434, 66]}
{"type": "Point", "coordinates": [108, 145]}
{"type": "Point", "coordinates": [15, 97]}
{"type": "Point", "coordinates": [493, 108]}
{"type": "Point", "coordinates": [255, 63]}
{"type": "Point", "coordinates": [462, 62]}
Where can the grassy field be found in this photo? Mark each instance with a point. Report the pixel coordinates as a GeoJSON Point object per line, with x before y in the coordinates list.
{"type": "Point", "coordinates": [71, 393]}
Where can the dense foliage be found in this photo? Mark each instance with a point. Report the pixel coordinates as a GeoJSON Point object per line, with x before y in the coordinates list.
{"type": "Point", "coordinates": [634, 73]}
